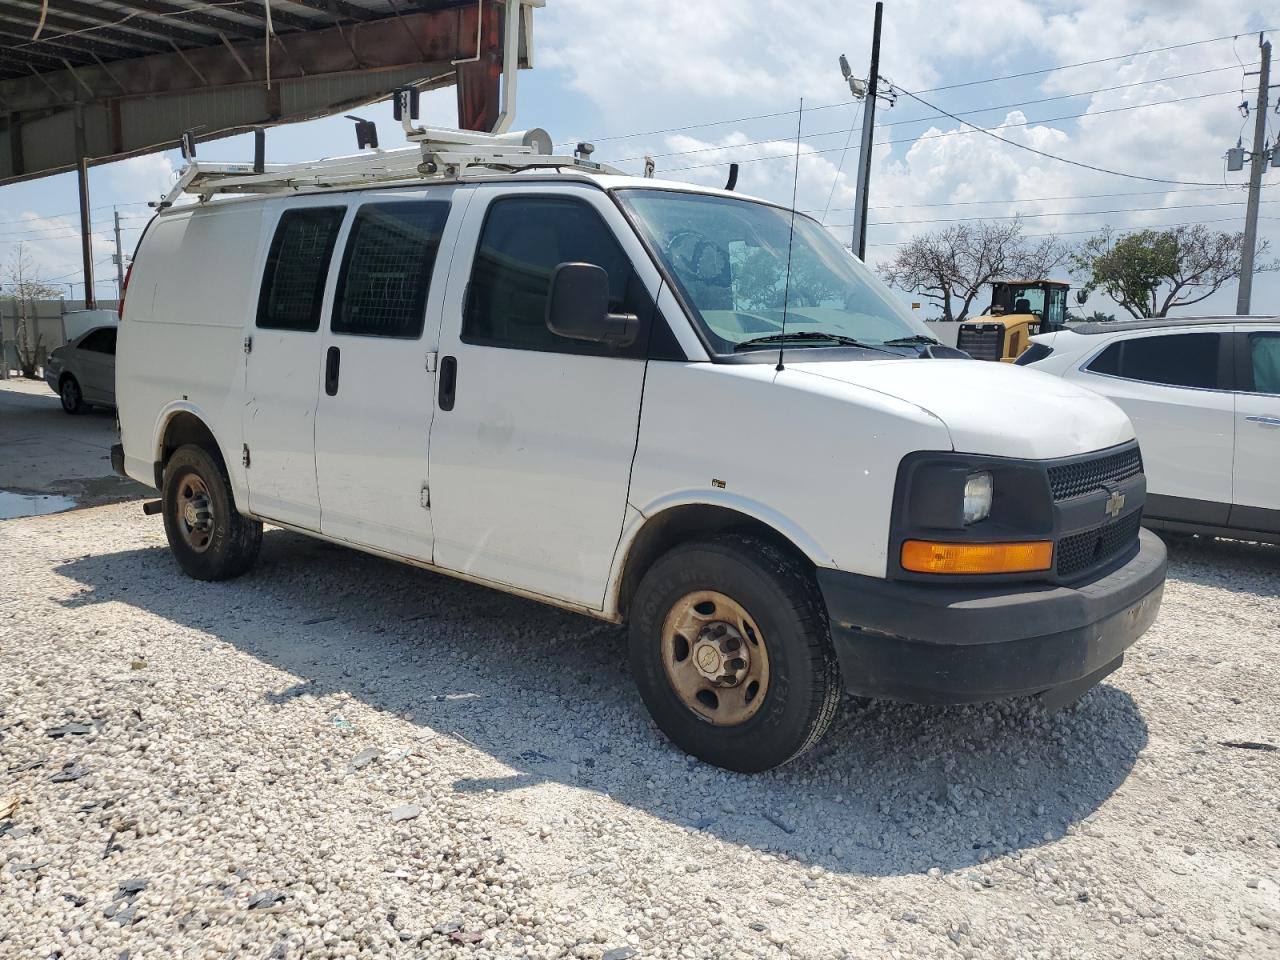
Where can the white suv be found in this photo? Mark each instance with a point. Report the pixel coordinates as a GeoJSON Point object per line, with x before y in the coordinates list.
{"type": "Point", "coordinates": [585, 389]}
{"type": "Point", "coordinates": [1204, 398]}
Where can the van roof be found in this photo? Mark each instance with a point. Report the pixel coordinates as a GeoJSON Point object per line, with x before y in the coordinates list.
{"type": "Point", "coordinates": [604, 181]}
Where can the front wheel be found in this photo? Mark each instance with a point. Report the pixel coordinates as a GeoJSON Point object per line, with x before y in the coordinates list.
{"type": "Point", "coordinates": [69, 393]}
{"type": "Point", "coordinates": [731, 650]}
{"type": "Point", "coordinates": [209, 538]}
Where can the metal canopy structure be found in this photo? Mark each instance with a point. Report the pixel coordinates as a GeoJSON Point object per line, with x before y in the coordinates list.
{"type": "Point", "coordinates": [84, 82]}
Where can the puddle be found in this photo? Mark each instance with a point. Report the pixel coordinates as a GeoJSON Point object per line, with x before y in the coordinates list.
{"type": "Point", "coordinates": [31, 504]}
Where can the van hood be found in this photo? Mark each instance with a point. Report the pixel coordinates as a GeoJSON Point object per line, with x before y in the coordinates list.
{"type": "Point", "coordinates": [995, 409]}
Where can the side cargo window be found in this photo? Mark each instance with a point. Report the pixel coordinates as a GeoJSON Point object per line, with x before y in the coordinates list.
{"type": "Point", "coordinates": [386, 269]}
{"type": "Point", "coordinates": [297, 265]}
{"type": "Point", "coordinates": [1175, 360]}
{"type": "Point", "coordinates": [522, 242]}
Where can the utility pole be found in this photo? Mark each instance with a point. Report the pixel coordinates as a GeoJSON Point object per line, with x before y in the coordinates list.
{"type": "Point", "coordinates": [1258, 160]}
{"type": "Point", "coordinates": [863, 186]}
{"type": "Point", "coordinates": [86, 227]}
{"type": "Point", "coordinates": [119, 259]}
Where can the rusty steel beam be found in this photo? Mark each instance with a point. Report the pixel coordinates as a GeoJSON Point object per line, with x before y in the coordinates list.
{"type": "Point", "coordinates": [145, 103]}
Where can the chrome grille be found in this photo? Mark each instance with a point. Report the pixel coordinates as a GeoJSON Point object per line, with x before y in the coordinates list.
{"type": "Point", "coordinates": [1074, 479]}
{"type": "Point", "coordinates": [1080, 551]}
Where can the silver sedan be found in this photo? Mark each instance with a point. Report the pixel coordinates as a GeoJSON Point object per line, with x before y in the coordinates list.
{"type": "Point", "coordinates": [83, 372]}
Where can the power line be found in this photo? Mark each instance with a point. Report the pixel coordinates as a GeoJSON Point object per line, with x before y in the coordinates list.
{"type": "Point", "coordinates": [1075, 196]}
{"type": "Point", "coordinates": [934, 136]}
{"type": "Point", "coordinates": [1059, 213]}
{"type": "Point", "coordinates": [76, 213]}
{"type": "Point", "coordinates": [937, 136]}
{"type": "Point", "coordinates": [1090, 63]}
{"type": "Point", "coordinates": [835, 180]}
{"type": "Point", "coordinates": [35, 235]}
{"type": "Point", "coordinates": [953, 86]}
{"type": "Point", "coordinates": [1050, 156]}
{"type": "Point", "coordinates": [1064, 96]}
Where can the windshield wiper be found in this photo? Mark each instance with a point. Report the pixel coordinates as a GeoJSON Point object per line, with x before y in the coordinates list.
{"type": "Point", "coordinates": [810, 335]}
{"type": "Point", "coordinates": [907, 341]}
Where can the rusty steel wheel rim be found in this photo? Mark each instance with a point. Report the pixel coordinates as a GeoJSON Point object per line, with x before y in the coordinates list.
{"type": "Point", "coordinates": [195, 513]}
{"type": "Point", "coordinates": [715, 658]}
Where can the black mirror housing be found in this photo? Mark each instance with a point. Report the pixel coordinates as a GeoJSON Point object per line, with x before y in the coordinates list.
{"type": "Point", "coordinates": [578, 307]}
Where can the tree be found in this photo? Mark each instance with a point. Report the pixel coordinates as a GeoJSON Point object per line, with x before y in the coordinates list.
{"type": "Point", "coordinates": [958, 262]}
{"type": "Point", "coordinates": [21, 275]}
{"type": "Point", "coordinates": [1150, 272]}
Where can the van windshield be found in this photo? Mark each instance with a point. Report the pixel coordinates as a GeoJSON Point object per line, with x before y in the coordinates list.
{"type": "Point", "coordinates": [729, 259]}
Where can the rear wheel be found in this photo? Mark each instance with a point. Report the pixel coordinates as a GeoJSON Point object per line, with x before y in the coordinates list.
{"type": "Point", "coordinates": [210, 539]}
{"type": "Point", "coordinates": [732, 652]}
{"type": "Point", "coordinates": [72, 398]}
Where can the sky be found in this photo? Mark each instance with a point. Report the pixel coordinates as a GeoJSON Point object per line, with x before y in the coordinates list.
{"type": "Point", "coordinates": [697, 85]}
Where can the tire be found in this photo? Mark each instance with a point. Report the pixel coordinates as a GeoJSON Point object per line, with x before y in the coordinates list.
{"type": "Point", "coordinates": [72, 398]}
{"type": "Point", "coordinates": [764, 599]}
{"type": "Point", "coordinates": [209, 538]}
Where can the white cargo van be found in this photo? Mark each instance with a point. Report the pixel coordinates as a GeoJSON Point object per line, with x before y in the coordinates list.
{"type": "Point", "coordinates": [649, 402]}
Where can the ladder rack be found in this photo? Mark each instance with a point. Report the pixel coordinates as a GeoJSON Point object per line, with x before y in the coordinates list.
{"type": "Point", "coordinates": [434, 161]}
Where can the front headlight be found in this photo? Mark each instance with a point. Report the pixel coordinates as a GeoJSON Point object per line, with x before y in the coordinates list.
{"type": "Point", "coordinates": [978, 489]}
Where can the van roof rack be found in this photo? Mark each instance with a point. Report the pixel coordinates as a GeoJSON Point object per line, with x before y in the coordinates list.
{"type": "Point", "coordinates": [434, 159]}
{"type": "Point", "coordinates": [441, 155]}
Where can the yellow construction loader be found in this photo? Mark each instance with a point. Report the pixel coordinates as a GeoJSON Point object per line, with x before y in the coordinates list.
{"type": "Point", "coordinates": [1019, 310]}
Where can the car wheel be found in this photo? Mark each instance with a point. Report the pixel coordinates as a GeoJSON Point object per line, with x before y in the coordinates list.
{"type": "Point", "coordinates": [210, 539]}
{"type": "Point", "coordinates": [72, 398]}
{"type": "Point", "coordinates": [731, 650]}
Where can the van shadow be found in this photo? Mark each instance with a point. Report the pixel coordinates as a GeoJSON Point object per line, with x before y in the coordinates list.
{"type": "Point", "coordinates": [893, 788]}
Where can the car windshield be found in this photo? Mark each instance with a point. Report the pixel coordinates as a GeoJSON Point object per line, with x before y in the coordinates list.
{"type": "Point", "coordinates": [729, 259]}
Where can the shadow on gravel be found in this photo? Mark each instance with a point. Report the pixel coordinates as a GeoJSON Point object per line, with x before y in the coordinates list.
{"type": "Point", "coordinates": [893, 789]}
{"type": "Point", "coordinates": [1215, 562]}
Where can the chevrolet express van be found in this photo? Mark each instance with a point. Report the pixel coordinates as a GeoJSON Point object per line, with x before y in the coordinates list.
{"type": "Point", "coordinates": [653, 403]}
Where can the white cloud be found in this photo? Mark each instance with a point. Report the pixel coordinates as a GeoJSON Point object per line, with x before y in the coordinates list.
{"type": "Point", "coordinates": [150, 175]}
{"type": "Point", "coordinates": [667, 64]}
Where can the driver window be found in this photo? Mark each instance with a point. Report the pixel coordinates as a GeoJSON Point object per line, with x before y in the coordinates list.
{"type": "Point", "coordinates": [523, 240]}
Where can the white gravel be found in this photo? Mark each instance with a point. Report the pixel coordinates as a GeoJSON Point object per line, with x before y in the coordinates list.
{"type": "Point", "coordinates": [337, 756]}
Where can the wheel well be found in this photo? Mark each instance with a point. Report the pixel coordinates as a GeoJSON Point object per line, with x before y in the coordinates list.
{"type": "Point", "coordinates": [66, 375]}
{"type": "Point", "coordinates": [678, 525]}
{"type": "Point", "coordinates": [184, 428]}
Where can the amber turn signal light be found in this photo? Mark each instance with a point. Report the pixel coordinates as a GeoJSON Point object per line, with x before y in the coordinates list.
{"type": "Point", "coordinates": [928, 556]}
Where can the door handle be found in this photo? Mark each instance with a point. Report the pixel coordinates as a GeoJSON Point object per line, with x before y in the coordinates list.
{"type": "Point", "coordinates": [332, 361]}
{"type": "Point", "coordinates": [1269, 421]}
{"type": "Point", "coordinates": [448, 381]}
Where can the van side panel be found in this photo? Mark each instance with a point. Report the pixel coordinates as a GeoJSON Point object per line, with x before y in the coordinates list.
{"type": "Point", "coordinates": [181, 344]}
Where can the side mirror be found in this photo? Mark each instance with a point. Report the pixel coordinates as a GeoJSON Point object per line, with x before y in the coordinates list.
{"type": "Point", "coordinates": [578, 307]}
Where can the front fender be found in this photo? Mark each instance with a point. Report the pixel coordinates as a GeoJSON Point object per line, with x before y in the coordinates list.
{"type": "Point", "coordinates": [637, 517]}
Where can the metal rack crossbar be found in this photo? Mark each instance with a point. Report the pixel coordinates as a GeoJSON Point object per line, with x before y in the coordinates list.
{"type": "Point", "coordinates": [432, 161]}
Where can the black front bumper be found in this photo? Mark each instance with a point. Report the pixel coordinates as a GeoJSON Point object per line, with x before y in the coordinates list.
{"type": "Point", "coordinates": [938, 643]}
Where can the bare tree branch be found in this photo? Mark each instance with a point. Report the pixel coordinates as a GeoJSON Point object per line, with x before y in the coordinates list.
{"type": "Point", "coordinates": [962, 260]}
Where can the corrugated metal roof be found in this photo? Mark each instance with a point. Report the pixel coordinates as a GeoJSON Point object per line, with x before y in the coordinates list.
{"type": "Point", "coordinates": [40, 36]}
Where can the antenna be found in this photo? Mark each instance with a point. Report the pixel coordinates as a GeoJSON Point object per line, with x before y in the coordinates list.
{"type": "Point", "coordinates": [791, 233]}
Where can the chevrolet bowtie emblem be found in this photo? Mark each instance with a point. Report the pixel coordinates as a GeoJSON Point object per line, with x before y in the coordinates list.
{"type": "Point", "coordinates": [1114, 504]}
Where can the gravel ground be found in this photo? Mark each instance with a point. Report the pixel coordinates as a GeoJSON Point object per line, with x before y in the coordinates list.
{"type": "Point", "coordinates": [337, 756]}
